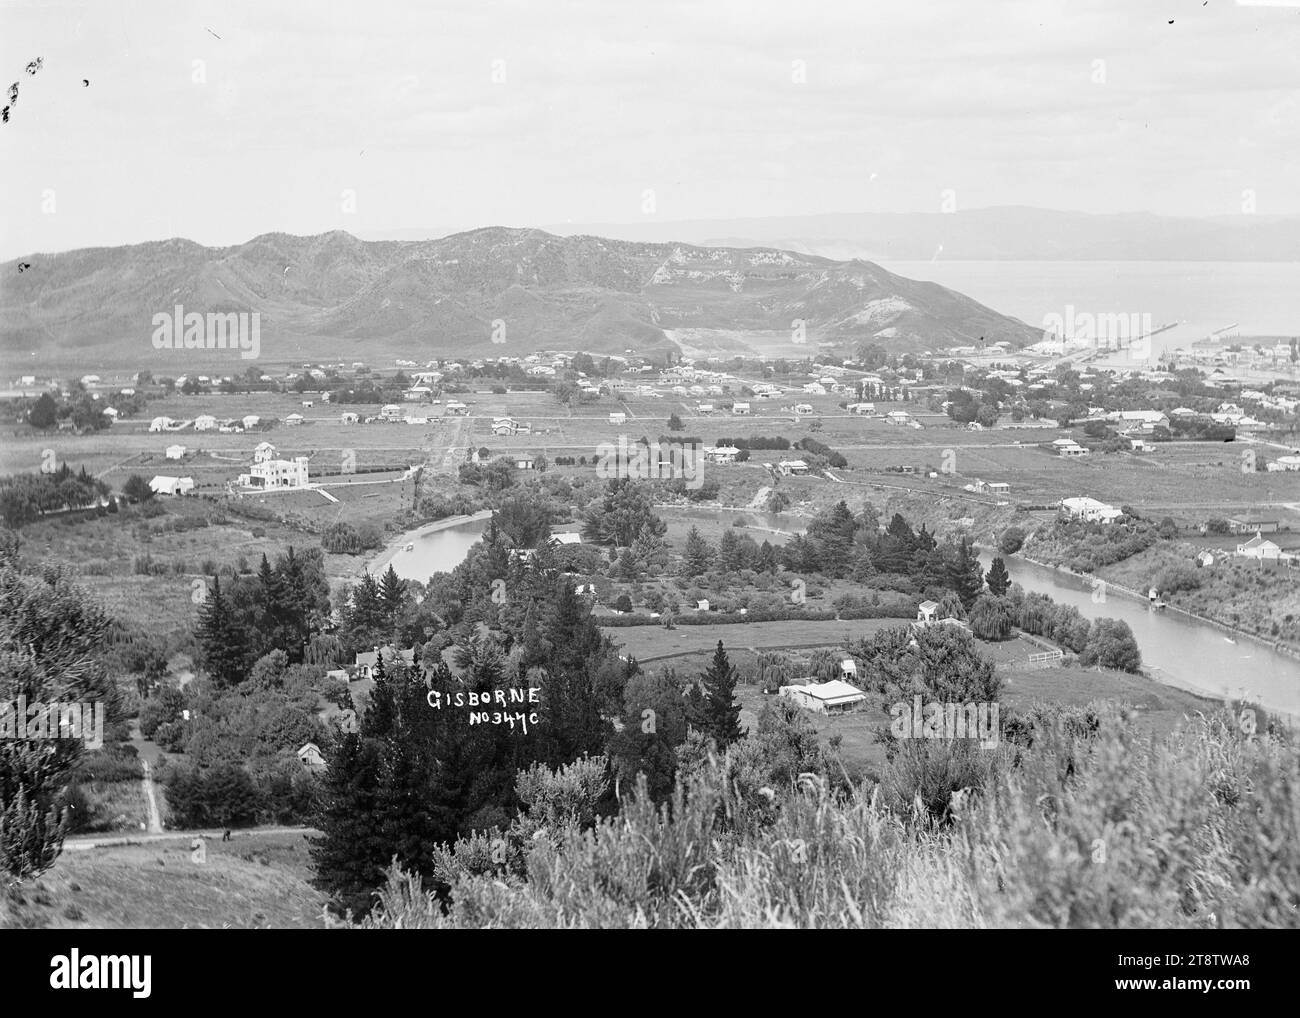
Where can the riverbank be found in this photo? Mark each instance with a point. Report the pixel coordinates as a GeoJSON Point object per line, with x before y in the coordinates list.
{"type": "Point", "coordinates": [380, 562]}
{"type": "Point", "coordinates": [1275, 645]}
{"type": "Point", "coordinates": [353, 566]}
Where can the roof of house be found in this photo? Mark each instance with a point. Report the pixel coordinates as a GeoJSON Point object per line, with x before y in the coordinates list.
{"type": "Point", "coordinates": [835, 689]}
{"type": "Point", "coordinates": [368, 657]}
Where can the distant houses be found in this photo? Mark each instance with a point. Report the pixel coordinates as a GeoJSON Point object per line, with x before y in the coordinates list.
{"type": "Point", "coordinates": [311, 756]}
{"type": "Point", "coordinates": [1245, 525]}
{"type": "Point", "coordinates": [364, 664]}
{"type": "Point", "coordinates": [164, 485]}
{"type": "Point", "coordinates": [1068, 447]}
{"type": "Point", "coordinates": [1091, 510]}
{"type": "Point", "coordinates": [1260, 548]}
{"type": "Point", "coordinates": [721, 454]}
{"type": "Point", "coordinates": [504, 426]}
{"type": "Point", "coordinates": [271, 475]}
{"type": "Point", "coordinates": [792, 468]}
{"type": "Point", "coordinates": [175, 452]}
{"type": "Point", "coordinates": [927, 614]}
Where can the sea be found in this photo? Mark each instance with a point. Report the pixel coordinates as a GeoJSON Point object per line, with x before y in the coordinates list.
{"type": "Point", "coordinates": [1235, 299]}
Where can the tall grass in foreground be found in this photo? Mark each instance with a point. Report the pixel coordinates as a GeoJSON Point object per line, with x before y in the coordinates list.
{"type": "Point", "coordinates": [1076, 825]}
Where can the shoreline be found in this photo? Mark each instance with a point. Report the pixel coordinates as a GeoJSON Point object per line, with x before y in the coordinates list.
{"type": "Point", "coordinates": [1274, 645]}
{"type": "Point", "coordinates": [1161, 675]}
{"type": "Point", "coordinates": [383, 557]}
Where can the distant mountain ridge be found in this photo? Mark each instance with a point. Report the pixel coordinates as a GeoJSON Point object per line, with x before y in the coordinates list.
{"type": "Point", "coordinates": [1005, 233]}
{"type": "Point", "coordinates": [332, 295]}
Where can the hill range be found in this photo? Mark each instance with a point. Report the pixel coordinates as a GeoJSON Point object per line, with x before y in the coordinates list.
{"type": "Point", "coordinates": [333, 296]}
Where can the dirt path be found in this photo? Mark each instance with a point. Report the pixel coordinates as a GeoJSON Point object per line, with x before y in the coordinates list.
{"type": "Point", "coordinates": [82, 844]}
{"type": "Point", "coordinates": [155, 818]}
{"type": "Point", "coordinates": [760, 498]}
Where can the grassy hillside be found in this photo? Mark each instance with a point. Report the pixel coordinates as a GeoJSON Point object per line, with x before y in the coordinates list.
{"type": "Point", "coordinates": [254, 881]}
{"type": "Point", "coordinates": [1091, 827]}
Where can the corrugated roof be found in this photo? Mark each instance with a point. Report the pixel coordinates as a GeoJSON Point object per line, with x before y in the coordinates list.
{"type": "Point", "coordinates": [835, 689]}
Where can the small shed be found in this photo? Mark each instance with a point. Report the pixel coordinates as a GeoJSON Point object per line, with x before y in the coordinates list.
{"type": "Point", "coordinates": [311, 756]}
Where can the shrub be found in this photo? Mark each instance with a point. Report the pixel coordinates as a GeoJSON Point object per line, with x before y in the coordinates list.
{"type": "Point", "coordinates": [991, 617]}
{"type": "Point", "coordinates": [1011, 541]}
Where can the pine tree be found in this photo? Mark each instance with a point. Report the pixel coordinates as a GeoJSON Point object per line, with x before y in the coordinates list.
{"type": "Point", "coordinates": [964, 574]}
{"type": "Point", "coordinates": [698, 555]}
{"type": "Point", "coordinates": [392, 592]}
{"type": "Point", "coordinates": [271, 605]}
{"type": "Point", "coordinates": [364, 613]}
{"type": "Point", "coordinates": [350, 855]}
{"type": "Point", "coordinates": [297, 605]}
{"type": "Point", "coordinates": [649, 550]}
{"type": "Point", "coordinates": [997, 578]}
{"type": "Point", "coordinates": [716, 712]}
{"type": "Point", "coordinates": [222, 638]}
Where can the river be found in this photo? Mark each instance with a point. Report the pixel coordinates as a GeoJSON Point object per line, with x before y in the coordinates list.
{"type": "Point", "coordinates": [1177, 650]}
{"type": "Point", "coordinates": [434, 551]}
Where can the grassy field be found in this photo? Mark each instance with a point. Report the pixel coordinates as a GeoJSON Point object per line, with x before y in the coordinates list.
{"type": "Point", "coordinates": [653, 643]}
{"type": "Point", "coordinates": [254, 881]}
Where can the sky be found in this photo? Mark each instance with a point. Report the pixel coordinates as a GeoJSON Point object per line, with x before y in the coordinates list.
{"type": "Point", "coordinates": [219, 121]}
